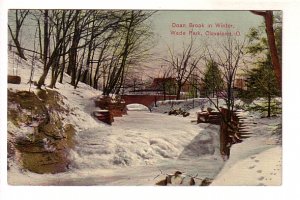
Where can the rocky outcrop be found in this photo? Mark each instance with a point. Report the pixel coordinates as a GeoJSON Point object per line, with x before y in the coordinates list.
{"type": "Point", "coordinates": [181, 179]}
{"type": "Point", "coordinates": [38, 139]}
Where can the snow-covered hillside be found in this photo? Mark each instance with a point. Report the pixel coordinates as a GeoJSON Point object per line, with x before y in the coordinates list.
{"type": "Point", "coordinates": [79, 100]}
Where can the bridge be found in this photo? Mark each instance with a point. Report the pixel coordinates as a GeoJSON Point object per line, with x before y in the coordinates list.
{"type": "Point", "coordinates": [147, 100]}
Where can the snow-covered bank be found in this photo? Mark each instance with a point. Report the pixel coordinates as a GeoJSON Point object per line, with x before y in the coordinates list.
{"type": "Point", "coordinates": [256, 170]}
{"type": "Point", "coordinates": [258, 159]}
{"type": "Point", "coordinates": [41, 122]}
{"type": "Point", "coordinates": [255, 161]}
{"type": "Point", "coordinates": [79, 101]}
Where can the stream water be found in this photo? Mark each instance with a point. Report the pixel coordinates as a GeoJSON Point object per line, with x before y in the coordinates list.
{"type": "Point", "coordinates": [135, 150]}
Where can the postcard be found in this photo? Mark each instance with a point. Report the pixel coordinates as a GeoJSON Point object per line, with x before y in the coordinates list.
{"type": "Point", "coordinates": [144, 97]}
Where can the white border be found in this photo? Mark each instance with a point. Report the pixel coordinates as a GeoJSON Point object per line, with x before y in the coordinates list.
{"type": "Point", "coordinates": [291, 91]}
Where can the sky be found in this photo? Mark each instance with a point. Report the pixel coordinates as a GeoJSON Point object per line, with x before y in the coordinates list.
{"type": "Point", "coordinates": [163, 22]}
{"type": "Point", "coordinates": [166, 21]}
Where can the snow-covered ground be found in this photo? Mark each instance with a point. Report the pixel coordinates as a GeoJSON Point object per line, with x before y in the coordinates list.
{"type": "Point", "coordinates": [133, 151]}
{"type": "Point", "coordinates": [259, 169]}
{"type": "Point", "coordinates": [142, 145]}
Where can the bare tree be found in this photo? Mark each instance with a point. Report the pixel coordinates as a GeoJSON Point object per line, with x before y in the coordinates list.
{"type": "Point", "coordinates": [80, 22]}
{"type": "Point", "coordinates": [184, 64]}
{"type": "Point", "coordinates": [20, 16]}
{"type": "Point", "coordinates": [100, 63]}
{"type": "Point", "coordinates": [59, 26]}
{"type": "Point", "coordinates": [128, 48]}
{"type": "Point", "coordinates": [71, 39]}
{"type": "Point", "coordinates": [228, 56]}
{"type": "Point", "coordinates": [133, 82]}
{"type": "Point", "coordinates": [46, 37]}
{"type": "Point", "coordinates": [61, 34]}
{"type": "Point", "coordinates": [38, 17]}
{"type": "Point", "coordinates": [95, 24]}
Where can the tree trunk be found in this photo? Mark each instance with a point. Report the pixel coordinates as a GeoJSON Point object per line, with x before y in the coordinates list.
{"type": "Point", "coordinates": [19, 49]}
{"type": "Point", "coordinates": [272, 46]}
{"type": "Point", "coordinates": [268, 16]}
{"type": "Point", "coordinates": [40, 39]}
{"type": "Point", "coordinates": [269, 104]}
{"type": "Point", "coordinates": [17, 43]}
{"type": "Point", "coordinates": [46, 37]}
{"type": "Point", "coordinates": [42, 79]}
{"type": "Point", "coordinates": [63, 63]}
{"type": "Point", "coordinates": [72, 67]}
{"type": "Point", "coordinates": [55, 71]}
{"type": "Point", "coordinates": [178, 92]}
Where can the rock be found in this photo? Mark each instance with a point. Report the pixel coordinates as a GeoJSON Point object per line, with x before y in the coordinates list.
{"type": "Point", "coordinates": [46, 162]}
{"type": "Point", "coordinates": [209, 109]}
{"type": "Point", "coordinates": [192, 181]}
{"type": "Point", "coordinates": [14, 79]}
{"type": "Point", "coordinates": [162, 182]}
{"type": "Point", "coordinates": [185, 114]}
{"type": "Point", "coordinates": [178, 112]}
{"type": "Point", "coordinates": [206, 182]}
{"type": "Point", "coordinates": [45, 149]}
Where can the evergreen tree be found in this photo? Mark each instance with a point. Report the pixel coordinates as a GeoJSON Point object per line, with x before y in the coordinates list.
{"type": "Point", "coordinates": [213, 81]}
{"type": "Point", "coordinates": [261, 80]}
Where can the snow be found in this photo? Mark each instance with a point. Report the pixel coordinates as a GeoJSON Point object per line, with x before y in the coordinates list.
{"type": "Point", "coordinates": [257, 160]}
{"type": "Point", "coordinates": [79, 101]}
{"type": "Point", "coordinates": [136, 107]}
{"type": "Point", "coordinates": [142, 145]}
{"type": "Point", "coordinates": [257, 170]}
{"type": "Point", "coordinates": [22, 131]}
{"type": "Point", "coordinates": [134, 150]}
